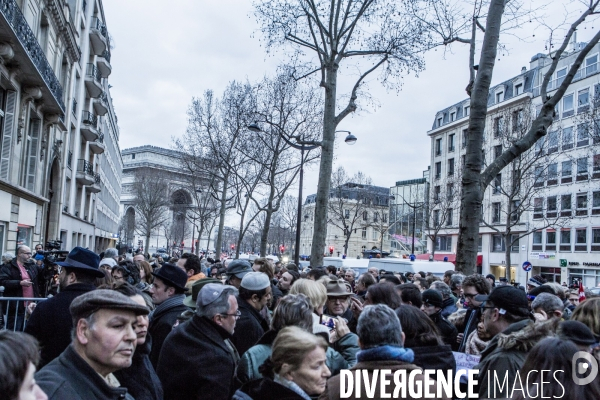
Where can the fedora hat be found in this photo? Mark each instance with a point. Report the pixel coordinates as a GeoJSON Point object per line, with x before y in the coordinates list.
{"type": "Point", "coordinates": [83, 260]}
{"type": "Point", "coordinates": [190, 300]}
{"type": "Point", "coordinates": [337, 288]}
{"type": "Point", "coordinates": [172, 275]}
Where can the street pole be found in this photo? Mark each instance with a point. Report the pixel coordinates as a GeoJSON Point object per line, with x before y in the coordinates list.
{"type": "Point", "coordinates": [413, 228]}
{"type": "Point", "coordinates": [299, 213]}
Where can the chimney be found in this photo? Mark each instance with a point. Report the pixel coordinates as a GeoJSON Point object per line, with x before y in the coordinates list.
{"type": "Point", "coordinates": [523, 70]}
{"type": "Point", "coordinates": [574, 42]}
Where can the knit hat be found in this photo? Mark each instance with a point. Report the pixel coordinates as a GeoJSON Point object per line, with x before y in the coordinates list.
{"type": "Point", "coordinates": [534, 282]}
{"type": "Point", "coordinates": [432, 297]}
{"type": "Point", "coordinates": [108, 261]}
{"type": "Point", "coordinates": [255, 281]}
{"type": "Point", "coordinates": [577, 332]}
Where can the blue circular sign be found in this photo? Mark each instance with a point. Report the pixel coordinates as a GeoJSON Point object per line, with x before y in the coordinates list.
{"type": "Point", "coordinates": [527, 266]}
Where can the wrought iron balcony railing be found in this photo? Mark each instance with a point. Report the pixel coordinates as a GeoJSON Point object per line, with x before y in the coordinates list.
{"type": "Point", "coordinates": [89, 118]}
{"type": "Point", "coordinates": [94, 72]}
{"type": "Point", "coordinates": [85, 166]}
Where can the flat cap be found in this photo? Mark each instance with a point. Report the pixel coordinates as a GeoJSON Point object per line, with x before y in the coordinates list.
{"type": "Point", "coordinates": [239, 268]}
{"type": "Point", "coordinates": [211, 292]}
{"type": "Point", "coordinates": [90, 302]}
{"type": "Point", "coordinates": [255, 281]}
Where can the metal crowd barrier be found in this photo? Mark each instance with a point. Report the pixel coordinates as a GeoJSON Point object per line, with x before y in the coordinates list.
{"type": "Point", "coordinates": [12, 311]}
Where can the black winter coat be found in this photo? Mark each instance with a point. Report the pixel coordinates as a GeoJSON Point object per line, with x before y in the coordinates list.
{"type": "Point", "coordinates": [70, 377]}
{"type": "Point", "coordinates": [140, 379]}
{"type": "Point", "coordinates": [160, 326]}
{"type": "Point", "coordinates": [249, 328]}
{"type": "Point", "coordinates": [10, 278]}
{"type": "Point", "coordinates": [51, 322]}
{"type": "Point", "coordinates": [434, 357]}
{"type": "Point", "coordinates": [447, 330]}
{"type": "Point", "coordinates": [265, 389]}
{"type": "Point", "coordinates": [196, 363]}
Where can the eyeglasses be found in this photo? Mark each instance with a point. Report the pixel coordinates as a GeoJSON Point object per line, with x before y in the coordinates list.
{"type": "Point", "coordinates": [470, 295]}
{"type": "Point", "coordinates": [236, 315]}
{"type": "Point", "coordinates": [25, 253]}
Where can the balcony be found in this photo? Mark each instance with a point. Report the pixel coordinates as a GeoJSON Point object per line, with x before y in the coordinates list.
{"type": "Point", "coordinates": [95, 186]}
{"type": "Point", "coordinates": [93, 81]}
{"type": "Point", "coordinates": [89, 126]}
{"type": "Point", "coordinates": [32, 64]}
{"type": "Point", "coordinates": [98, 36]}
{"type": "Point", "coordinates": [101, 104]}
{"type": "Point", "coordinates": [103, 63]}
{"type": "Point", "coordinates": [85, 172]}
{"type": "Point", "coordinates": [97, 146]}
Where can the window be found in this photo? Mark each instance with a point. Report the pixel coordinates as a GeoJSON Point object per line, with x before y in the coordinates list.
{"type": "Point", "coordinates": [581, 201]}
{"type": "Point", "coordinates": [591, 65]}
{"type": "Point", "coordinates": [464, 138]}
{"type": "Point", "coordinates": [384, 218]}
{"type": "Point", "coordinates": [497, 151]}
{"type": "Point", "coordinates": [2, 229]}
{"type": "Point", "coordinates": [498, 126]}
{"type": "Point", "coordinates": [443, 243]}
{"type": "Point", "coordinates": [552, 174]}
{"type": "Point", "coordinates": [552, 142]}
{"type": "Point", "coordinates": [596, 166]}
{"type": "Point", "coordinates": [550, 237]}
{"type": "Point", "coordinates": [32, 141]}
{"type": "Point", "coordinates": [451, 167]}
{"type": "Point", "coordinates": [582, 166]}
{"type": "Point", "coordinates": [364, 233]}
{"type": "Point", "coordinates": [560, 77]}
{"type": "Point", "coordinates": [440, 120]}
{"type": "Point", "coordinates": [480, 244]}
{"type": "Point", "coordinates": [133, 156]}
{"type": "Point", "coordinates": [499, 97]}
{"type": "Point", "coordinates": [374, 234]}
{"type": "Point", "coordinates": [538, 208]}
{"type": "Point", "coordinates": [24, 235]}
{"type": "Point", "coordinates": [518, 89]}
{"type": "Point", "coordinates": [596, 203]}
{"type": "Point", "coordinates": [365, 216]}
{"type": "Point", "coordinates": [538, 176]}
{"type": "Point", "coordinates": [496, 210]}
{"type": "Point", "coordinates": [497, 184]}
{"type": "Point", "coordinates": [583, 99]}
{"type": "Point", "coordinates": [451, 142]}
{"type": "Point", "coordinates": [436, 193]}
{"type": "Point", "coordinates": [581, 239]}
{"type": "Point", "coordinates": [452, 116]}
{"type": "Point", "coordinates": [346, 214]}
{"type": "Point", "coordinates": [537, 240]}
{"type": "Point", "coordinates": [568, 105]}
{"type": "Point", "coordinates": [552, 206]}
{"type": "Point", "coordinates": [449, 217]}
{"type": "Point", "coordinates": [567, 138]}
{"type": "Point", "coordinates": [516, 180]}
{"type": "Point", "coordinates": [449, 191]}
{"type": "Point", "coordinates": [583, 138]}
{"type": "Point", "coordinates": [375, 217]}
{"type": "Point", "coordinates": [515, 213]}
{"type": "Point", "coordinates": [513, 240]}
{"type": "Point", "coordinates": [517, 120]}
{"type": "Point", "coordinates": [565, 240]}
{"type": "Point", "coordinates": [438, 147]}
{"type": "Point", "coordinates": [436, 218]}
{"type": "Point", "coordinates": [565, 205]}
{"type": "Point", "coordinates": [467, 111]}
{"type": "Point", "coordinates": [498, 244]}
{"type": "Point", "coordinates": [595, 239]}
{"type": "Point", "coordinates": [539, 147]}
{"type": "Point", "coordinates": [438, 170]}
{"type": "Point", "coordinates": [567, 168]}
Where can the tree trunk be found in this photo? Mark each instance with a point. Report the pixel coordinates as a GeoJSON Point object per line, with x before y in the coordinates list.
{"type": "Point", "coordinates": [222, 212]}
{"type": "Point", "coordinates": [325, 168]}
{"type": "Point", "coordinates": [147, 245]}
{"type": "Point", "coordinates": [200, 230]}
{"type": "Point", "coordinates": [507, 256]}
{"type": "Point", "coordinates": [264, 237]}
{"type": "Point", "coordinates": [472, 193]}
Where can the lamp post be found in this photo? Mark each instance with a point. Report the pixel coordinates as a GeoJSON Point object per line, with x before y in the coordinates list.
{"type": "Point", "coordinates": [302, 146]}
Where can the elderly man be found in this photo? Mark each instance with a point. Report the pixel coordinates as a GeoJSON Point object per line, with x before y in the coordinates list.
{"type": "Point", "coordinates": [254, 295]}
{"type": "Point", "coordinates": [51, 323]}
{"type": "Point", "coordinates": [20, 279]}
{"type": "Point", "coordinates": [547, 306]}
{"type": "Point", "coordinates": [236, 270]}
{"type": "Point", "coordinates": [338, 303]}
{"type": "Point", "coordinates": [103, 342]}
{"type": "Point", "coordinates": [363, 284]}
{"type": "Point", "coordinates": [198, 360]}
{"type": "Point", "coordinates": [375, 272]}
{"type": "Point", "coordinates": [111, 253]}
{"type": "Point", "coordinates": [350, 276]}
{"type": "Point", "coordinates": [168, 295]}
{"type": "Point", "coordinates": [382, 347]}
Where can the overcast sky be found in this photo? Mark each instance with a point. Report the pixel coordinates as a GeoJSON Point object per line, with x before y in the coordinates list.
{"type": "Point", "coordinates": [166, 52]}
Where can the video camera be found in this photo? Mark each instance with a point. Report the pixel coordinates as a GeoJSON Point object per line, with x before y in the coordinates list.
{"type": "Point", "coordinates": [51, 257]}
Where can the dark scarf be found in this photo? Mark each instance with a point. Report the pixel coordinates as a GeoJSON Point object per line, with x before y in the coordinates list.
{"type": "Point", "coordinates": [169, 303]}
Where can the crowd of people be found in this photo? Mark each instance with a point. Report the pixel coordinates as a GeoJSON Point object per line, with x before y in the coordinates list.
{"type": "Point", "coordinates": [122, 327]}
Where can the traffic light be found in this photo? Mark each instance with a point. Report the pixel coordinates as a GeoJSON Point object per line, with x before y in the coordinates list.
{"type": "Point", "coordinates": [281, 249]}
{"type": "Point", "coordinates": [232, 246]}
{"type": "Point", "coordinates": [330, 250]}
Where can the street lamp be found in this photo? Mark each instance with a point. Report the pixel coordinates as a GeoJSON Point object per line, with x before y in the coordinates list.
{"type": "Point", "coordinates": [302, 146]}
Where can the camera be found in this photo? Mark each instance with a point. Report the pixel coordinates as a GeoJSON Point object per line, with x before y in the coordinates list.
{"type": "Point", "coordinates": [51, 257]}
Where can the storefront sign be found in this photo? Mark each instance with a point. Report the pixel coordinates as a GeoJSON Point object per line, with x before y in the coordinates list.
{"type": "Point", "coordinates": [542, 256]}
{"type": "Point", "coordinates": [563, 262]}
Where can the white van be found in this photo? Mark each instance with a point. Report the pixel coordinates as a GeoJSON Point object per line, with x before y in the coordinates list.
{"type": "Point", "coordinates": [360, 265]}
{"type": "Point", "coordinates": [437, 268]}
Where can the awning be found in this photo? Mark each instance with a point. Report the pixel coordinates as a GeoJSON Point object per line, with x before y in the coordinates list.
{"type": "Point", "coordinates": [451, 257]}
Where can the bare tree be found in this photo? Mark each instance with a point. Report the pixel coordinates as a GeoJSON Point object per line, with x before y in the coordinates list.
{"type": "Point", "coordinates": [365, 36]}
{"type": "Point", "coordinates": [442, 207]}
{"type": "Point", "coordinates": [150, 201]}
{"type": "Point", "coordinates": [474, 180]}
{"type": "Point", "coordinates": [349, 202]}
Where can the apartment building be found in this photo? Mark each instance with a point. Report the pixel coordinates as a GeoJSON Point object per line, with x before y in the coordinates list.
{"type": "Point", "coordinates": [363, 209]}
{"type": "Point", "coordinates": [554, 212]}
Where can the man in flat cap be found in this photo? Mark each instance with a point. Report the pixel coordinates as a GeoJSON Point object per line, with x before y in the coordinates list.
{"type": "Point", "coordinates": [198, 360]}
{"type": "Point", "coordinates": [168, 295]}
{"type": "Point", "coordinates": [236, 270]}
{"type": "Point", "coordinates": [103, 342]}
{"type": "Point", "coordinates": [51, 323]}
{"type": "Point", "coordinates": [255, 294]}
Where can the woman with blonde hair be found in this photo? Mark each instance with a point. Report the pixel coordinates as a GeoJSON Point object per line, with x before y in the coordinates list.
{"type": "Point", "coordinates": [317, 295]}
{"type": "Point", "coordinates": [295, 370]}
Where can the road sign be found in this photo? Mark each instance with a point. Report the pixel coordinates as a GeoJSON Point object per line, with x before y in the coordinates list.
{"type": "Point", "coordinates": [527, 266]}
{"type": "Point", "coordinates": [563, 262]}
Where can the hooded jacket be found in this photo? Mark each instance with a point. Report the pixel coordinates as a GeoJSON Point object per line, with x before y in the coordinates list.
{"type": "Point", "coordinates": [506, 353]}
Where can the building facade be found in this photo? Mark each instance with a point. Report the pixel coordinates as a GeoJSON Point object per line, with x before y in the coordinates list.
{"type": "Point", "coordinates": [555, 215]}
{"type": "Point", "coordinates": [44, 53]}
{"type": "Point", "coordinates": [363, 209]}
